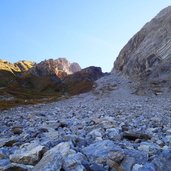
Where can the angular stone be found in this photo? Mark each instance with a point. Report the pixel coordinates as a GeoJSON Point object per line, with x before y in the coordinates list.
{"type": "Point", "coordinates": [2, 155]}
{"type": "Point", "coordinates": [94, 134]}
{"type": "Point", "coordinates": [73, 165]}
{"type": "Point", "coordinates": [168, 131]}
{"type": "Point", "coordinates": [144, 148]}
{"type": "Point", "coordinates": [113, 165]}
{"type": "Point", "coordinates": [113, 134]}
{"type": "Point", "coordinates": [163, 161]}
{"type": "Point", "coordinates": [63, 148]}
{"type": "Point", "coordinates": [133, 136]}
{"type": "Point", "coordinates": [51, 161]}
{"type": "Point", "coordinates": [97, 167]}
{"type": "Point", "coordinates": [128, 163]}
{"type": "Point", "coordinates": [136, 167]}
{"type": "Point", "coordinates": [149, 148]}
{"type": "Point", "coordinates": [168, 138]}
{"type": "Point", "coordinates": [100, 150]}
{"type": "Point", "coordinates": [148, 167]}
{"type": "Point", "coordinates": [76, 140]}
{"type": "Point", "coordinates": [116, 156]}
{"type": "Point", "coordinates": [17, 130]}
{"type": "Point", "coordinates": [139, 156]}
{"type": "Point", "coordinates": [4, 162]}
{"type": "Point", "coordinates": [74, 162]}
{"type": "Point", "coordinates": [5, 142]}
{"type": "Point", "coordinates": [17, 167]}
{"type": "Point", "coordinates": [30, 157]}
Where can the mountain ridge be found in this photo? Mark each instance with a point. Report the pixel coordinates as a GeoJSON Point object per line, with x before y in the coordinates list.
{"type": "Point", "coordinates": [49, 79]}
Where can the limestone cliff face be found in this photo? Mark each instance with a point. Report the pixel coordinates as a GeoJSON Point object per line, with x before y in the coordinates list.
{"type": "Point", "coordinates": [147, 55]}
{"type": "Point", "coordinates": [60, 67]}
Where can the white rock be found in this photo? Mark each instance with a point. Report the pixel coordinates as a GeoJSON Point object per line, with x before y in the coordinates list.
{"type": "Point", "coordinates": [63, 148]}
{"type": "Point", "coordinates": [30, 157]}
{"type": "Point", "coordinates": [136, 167]}
{"type": "Point", "coordinates": [168, 131]}
{"type": "Point", "coordinates": [144, 148]}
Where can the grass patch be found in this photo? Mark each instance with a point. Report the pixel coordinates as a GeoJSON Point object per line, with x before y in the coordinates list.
{"type": "Point", "coordinates": [20, 102]}
{"type": "Point", "coordinates": [26, 97]}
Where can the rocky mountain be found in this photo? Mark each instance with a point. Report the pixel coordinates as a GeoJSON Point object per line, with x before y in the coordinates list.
{"type": "Point", "coordinates": [147, 55]}
{"type": "Point", "coordinates": [45, 80]}
{"type": "Point", "coordinates": [47, 75]}
{"type": "Point", "coordinates": [60, 67]}
{"type": "Point", "coordinates": [9, 71]}
{"type": "Point", "coordinates": [83, 80]}
{"type": "Point", "coordinates": [61, 76]}
{"type": "Point", "coordinates": [72, 84]}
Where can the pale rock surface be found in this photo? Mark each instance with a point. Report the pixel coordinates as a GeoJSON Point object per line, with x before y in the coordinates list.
{"type": "Point", "coordinates": [60, 67]}
{"type": "Point", "coordinates": [31, 156]}
{"type": "Point", "coordinates": [147, 55]}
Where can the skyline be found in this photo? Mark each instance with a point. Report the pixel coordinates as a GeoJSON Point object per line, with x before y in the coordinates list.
{"type": "Point", "coordinates": [86, 32]}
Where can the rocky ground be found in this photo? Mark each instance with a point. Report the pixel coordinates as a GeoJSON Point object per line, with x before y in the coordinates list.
{"type": "Point", "coordinates": [108, 129]}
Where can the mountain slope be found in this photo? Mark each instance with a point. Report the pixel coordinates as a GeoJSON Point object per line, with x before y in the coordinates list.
{"type": "Point", "coordinates": [147, 55]}
{"type": "Point", "coordinates": [9, 71]}
{"type": "Point", "coordinates": [26, 82]}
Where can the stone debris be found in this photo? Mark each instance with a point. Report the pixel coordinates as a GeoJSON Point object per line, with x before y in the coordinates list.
{"type": "Point", "coordinates": [116, 131]}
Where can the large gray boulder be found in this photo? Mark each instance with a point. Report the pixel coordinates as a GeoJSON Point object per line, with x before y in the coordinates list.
{"type": "Point", "coordinates": [53, 159]}
{"type": "Point", "coordinates": [31, 156]}
{"type": "Point", "coordinates": [100, 150]}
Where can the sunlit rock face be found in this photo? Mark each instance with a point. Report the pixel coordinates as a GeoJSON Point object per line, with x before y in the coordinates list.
{"type": "Point", "coordinates": [61, 67]}
{"type": "Point", "coordinates": [9, 71]}
{"type": "Point", "coordinates": [147, 55]}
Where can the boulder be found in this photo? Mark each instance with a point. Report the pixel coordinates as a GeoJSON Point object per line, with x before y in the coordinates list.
{"type": "Point", "coordinates": [163, 162]}
{"type": "Point", "coordinates": [5, 142]}
{"type": "Point", "coordinates": [132, 136]}
{"type": "Point", "coordinates": [17, 167]}
{"type": "Point", "coordinates": [74, 162]}
{"type": "Point", "coordinates": [100, 150]}
{"type": "Point", "coordinates": [53, 159]}
{"type": "Point", "coordinates": [17, 130]}
{"type": "Point", "coordinates": [29, 157]}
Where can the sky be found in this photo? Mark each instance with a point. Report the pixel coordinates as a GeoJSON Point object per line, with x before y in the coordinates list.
{"type": "Point", "coordinates": [90, 32]}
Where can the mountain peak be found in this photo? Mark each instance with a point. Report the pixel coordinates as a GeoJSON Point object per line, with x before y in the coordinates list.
{"type": "Point", "coordinates": [59, 67]}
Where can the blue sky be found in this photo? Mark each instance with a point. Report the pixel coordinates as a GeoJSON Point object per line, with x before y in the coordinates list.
{"type": "Point", "coordinates": [90, 32]}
